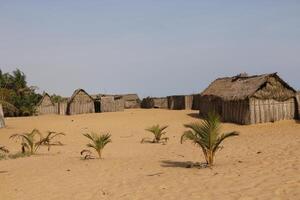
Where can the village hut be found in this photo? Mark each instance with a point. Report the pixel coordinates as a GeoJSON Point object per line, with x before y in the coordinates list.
{"type": "Point", "coordinates": [180, 102]}
{"type": "Point", "coordinates": [247, 99]}
{"type": "Point", "coordinates": [131, 101]}
{"type": "Point", "coordinates": [119, 103]}
{"type": "Point", "coordinates": [298, 104]}
{"type": "Point", "coordinates": [46, 106]}
{"type": "Point", "coordinates": [155, 102]}
{"type": "Point", "coordinates": [2, 122]}
{"type": "Point", "coordinates": [80, 102]}
{"type": "Point", "coordinates": [196, 102]}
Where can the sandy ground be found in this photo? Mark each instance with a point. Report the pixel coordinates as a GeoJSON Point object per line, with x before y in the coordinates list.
{"type": "Point", "coordinates": [131, 170]}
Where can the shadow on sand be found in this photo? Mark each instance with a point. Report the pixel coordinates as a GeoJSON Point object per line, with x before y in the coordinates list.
{"type": "Point", "coordinates": [194, 115]}
{"type": "Point", "coordinates": [180, 164]}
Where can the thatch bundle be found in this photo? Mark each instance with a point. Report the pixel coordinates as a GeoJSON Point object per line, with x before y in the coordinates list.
{"type": "Point", "coordinates": [80, 102]}
{"type": "Point", "coordinates": [154, 102]}
{"type": "Point", "coordinates": [2, 122]}
{"type": "Point", "coordinates": [180, 102]}
{"type": "Point", "coordinates": [250, 99]}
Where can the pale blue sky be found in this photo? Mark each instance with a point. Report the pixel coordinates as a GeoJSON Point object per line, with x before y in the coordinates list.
{"type": "Point", "coordinates": [154, 48]}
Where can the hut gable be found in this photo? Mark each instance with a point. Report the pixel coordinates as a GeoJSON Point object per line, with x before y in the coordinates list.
{"type": "Point", "coordinates": [46, 105]}
{"type": "Point", "coordinates": [80, 102]}
{"type": "Point", "coordinates": [239, 87]}
{"type": "Point", "coordinates": [45, 100]}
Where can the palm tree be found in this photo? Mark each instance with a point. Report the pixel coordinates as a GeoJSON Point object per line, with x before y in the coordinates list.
{"type": "Point", "coordinates": [98, 142]}
{"type": "Point", "coordinates": [49, 139]}
{"type": "Point", "coordinates": [29, 141]}
{"type": "Point", "coordinates": [158, 132]}
{"type": "Point", "coordinates": [3, 149]}
{"type": "Point", "coordinates": [207, 135]}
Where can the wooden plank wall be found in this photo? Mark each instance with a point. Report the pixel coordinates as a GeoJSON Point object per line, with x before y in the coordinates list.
{"type": "Point", "coordinates": [270, 110]}
{"type": "Point", "coordinates": [62, 108]}
{"type": "Point", "coordinates": [81, 108]}
{"type": "Point", "coordinates": [298, 105]}
{"type": "Point", "coordinates": [188, 100]}
{"type": "Point", "coordinates": [47, 109]}
{"type": "Point", "coordinates": [236, 111]}
{"type": "Point", "coordinates": [196, 102]}
{"type": "Point", "coordinates": [2, 122]}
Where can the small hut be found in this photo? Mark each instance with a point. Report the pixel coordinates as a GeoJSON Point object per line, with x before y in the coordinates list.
{"type": "Point", "coordinates": [131, 101]}
{"type": "Point", "coordinates": [46, 106]}
{"type": "Point", "coordinates": [155, 102]}
{"type": "Point", "coordinates": [247, 99]}
{"type": "Point", "coordinates": [2, 122]}
{"type": "Point", "coordinates": [196, 102]}
{"type": "Point", "coordinates": [119, 103]}
{"type": "Point", "coordinates": [180, 102]}
{"type": "Point", "coordinates": [80, 102]}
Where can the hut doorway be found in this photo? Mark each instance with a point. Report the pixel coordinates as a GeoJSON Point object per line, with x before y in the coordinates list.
{"type": "Point", "coordinates": [97, 106]}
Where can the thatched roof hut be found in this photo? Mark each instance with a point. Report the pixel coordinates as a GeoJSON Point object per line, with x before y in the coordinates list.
{"type": "Point", "coordinates": [155, 102]}
{"type": "Point", "coordinates": [131, 101]}
{"type": "Point", "coordinates": [2, 122]}
{"type": "Point", "coordinates": [80, 102]}
{"type": "Point", "coordinates": [46, 106]}
{"type": "Point", "coordinates": [249, 99]}
{"type": "Point", "coordinates": [180, 102]}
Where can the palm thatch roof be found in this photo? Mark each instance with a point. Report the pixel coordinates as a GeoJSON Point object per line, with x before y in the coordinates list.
{"type": "Point", "coordinates": [45, 94]}
{"type": "Point", "coordinates": [76, 92]}
{"type": "Point", "coordinates": [242, 86]}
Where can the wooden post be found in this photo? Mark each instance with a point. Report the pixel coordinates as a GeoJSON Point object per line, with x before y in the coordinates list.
{"type": "Point", "coordinates": [2, 122]}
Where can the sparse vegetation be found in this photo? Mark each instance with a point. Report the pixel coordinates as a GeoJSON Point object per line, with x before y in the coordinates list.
{"type": "Point", "coordinates": [49, 140]}
{"type": "Point", "coordinates": [3, 152]}
{"type": "Point", "coordinates": [158, 132]}
{"type": "Point", "coordinates": [97, 142]}
{"type": "Point", "coordinates": [30, 142]}
{"type": "Point", "coordinates": [207, 135]}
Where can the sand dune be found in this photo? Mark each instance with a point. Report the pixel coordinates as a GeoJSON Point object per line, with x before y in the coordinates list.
{"type": "Point", "coordinates": [262, 163]}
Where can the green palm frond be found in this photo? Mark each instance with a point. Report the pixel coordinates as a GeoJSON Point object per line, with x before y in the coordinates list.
{"type": "Point", "coordinates": [49, 141]}
{"type": "Point", "coordinates": [158, 132]}
{"type": "Point", "coordinates": [30, 142]}
{"type": "Point", "coordinates": [206, 134]}
{"type": "Point", "coordinates": [98, 142]}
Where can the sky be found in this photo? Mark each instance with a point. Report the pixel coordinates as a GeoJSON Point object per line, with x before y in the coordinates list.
{"type": "Point", "coordinates": [149, 47]}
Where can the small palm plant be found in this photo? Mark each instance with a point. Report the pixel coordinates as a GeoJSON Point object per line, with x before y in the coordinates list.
{"type": "Point", "coordinates": [3, 149]}
{"type": "Point", "coordinates": [30, 142]}
{"type": "Point", "coordinates": [158, 132]}
{"type": "Point", "coordinates": [207, 135]}
{"type": "Point", "coordinates": [49, 139]}
{"type": "Point", "coordinates": [98, 142]}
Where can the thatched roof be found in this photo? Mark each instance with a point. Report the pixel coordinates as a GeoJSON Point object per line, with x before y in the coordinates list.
{"type": "Point", "coordinates": [242, 86]}
{"type": "Point", "coordinates": [130, 97]}
{"type": "Point", "coordinates": [45, 94]}
{"type": "Point", "coordinates": [76, 92]}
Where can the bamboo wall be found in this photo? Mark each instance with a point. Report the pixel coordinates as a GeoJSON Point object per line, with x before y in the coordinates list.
{"type": "Point", "coordinates": [107, 104]}
{"type": "Point", "coordinates": [235, 111]}
{"type": "Point", "coordinates": [81, 104]}
{"type": "Point", "coordinates": [2, 122]}
{"type": "Point", "coordinates": [270, 110]}
{"type": "Point", "coordinates": [62, 108]}
{"type": "Point", "coordinates": [46, 107]}
{"type": "Point", "coordinates": [196, 102]}
{"type": "Point", "coordinates": [298, 105]}
{"type": "Point", "coordinates": [180, 102]}
{"type": "Point", "coordinates": [119, 104]}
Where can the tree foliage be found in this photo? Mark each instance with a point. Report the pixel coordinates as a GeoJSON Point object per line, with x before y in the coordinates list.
{"type": "Point", "coordinates": [17, 98]}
